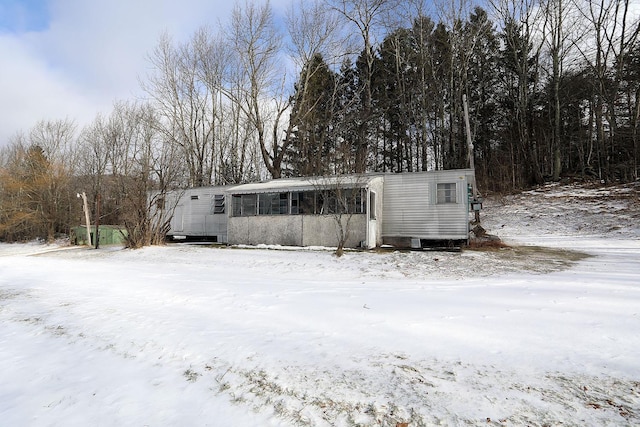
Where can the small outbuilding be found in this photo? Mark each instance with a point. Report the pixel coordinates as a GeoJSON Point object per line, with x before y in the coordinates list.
{"type": "Point", "coordinates": [109, 235]}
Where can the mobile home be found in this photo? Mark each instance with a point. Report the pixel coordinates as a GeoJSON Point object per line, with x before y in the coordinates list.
{"type": "Point", "coordinates": [423, 208]}
{"type": "Point", "coordinates": [411, 209]}
{"type": "Point", "coordinates": [198, 213]}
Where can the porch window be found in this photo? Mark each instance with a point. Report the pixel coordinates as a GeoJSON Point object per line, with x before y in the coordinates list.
{"type": "Point", "coordinates": [302, 202]}
{"type": "Point", "coordinates": [323, 202]}
{"type": "Point", "coordinates": [341, 201]}
{"type": "Point", "coordinates": [359, 201]}
{"type": "Point", "coordinates": [244, 204]}
{"type": "Point", "coordinates": [273, 203]}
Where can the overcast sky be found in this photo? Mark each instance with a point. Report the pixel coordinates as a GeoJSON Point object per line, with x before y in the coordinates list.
{"type": "Point", "coordinates": [72, 58]}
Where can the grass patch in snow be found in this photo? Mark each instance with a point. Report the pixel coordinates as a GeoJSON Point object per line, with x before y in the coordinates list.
{"type": "Point", "coordinates": [537, 259]}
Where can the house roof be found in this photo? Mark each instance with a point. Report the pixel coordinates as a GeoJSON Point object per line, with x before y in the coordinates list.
{"type": "Point", "coordinates": [303, 184]}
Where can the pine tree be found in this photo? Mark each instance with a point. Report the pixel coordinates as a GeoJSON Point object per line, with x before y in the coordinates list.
{"type": "Point", "coordinates": [312, 113]}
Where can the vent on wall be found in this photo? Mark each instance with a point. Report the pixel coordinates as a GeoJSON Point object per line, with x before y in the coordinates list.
{"type": "Point", "coordinates": [195, 197]}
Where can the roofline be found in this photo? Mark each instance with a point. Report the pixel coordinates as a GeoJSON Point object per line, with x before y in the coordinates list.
{"type": "Point", "coordinates": [316, 182]}
{"type": "Point", "coordinates": [305, 183]}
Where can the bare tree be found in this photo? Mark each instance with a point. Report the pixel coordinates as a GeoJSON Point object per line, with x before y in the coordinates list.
{"type": "Point", "coordinates": [613, 32]}
{"type": "Point", "coordinates": [228, 160]}
{"type": "Point", "coordinates": [185, 103]}
{"type": "Point", "coordinates": [452, 14]}
{"type": "Point", "coordinates": [520, 20]}
{"type": "Point", "coordinates": [341, 197]}
{"type": "Point", "coordinates": [143, 179]}
{"type": "Point", "coordinates": [316, 46]}
{"type": "Point", "coordinates": [93, 167]}
{"type": "Point", "coordinates": [35, 200]}
{"type": "Point", "coordinates": [557, 36]}
{"type": "Point", "coordinates": [258, 85]}
{"type": "Point", "coordinates": [369, 16]}
{"type": "Point", "coordinates": [315, 29]}
{"type": "Point", "coordinates": [130, 167]}
{"type": "Point", "coordinates": [56, 138]}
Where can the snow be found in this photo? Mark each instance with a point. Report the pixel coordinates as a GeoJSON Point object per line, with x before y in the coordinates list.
{"type": "Point", "coordinates": [542, 333]}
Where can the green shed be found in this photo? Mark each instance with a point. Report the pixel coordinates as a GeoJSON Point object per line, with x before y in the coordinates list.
{"type": "Point", "coordinates": [109, 235]}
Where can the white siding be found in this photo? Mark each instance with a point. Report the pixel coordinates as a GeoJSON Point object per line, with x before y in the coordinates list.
{"type": "Point", "coordinates": [194, 217]}
{"type": "Point", "coordinates": [410, 208]}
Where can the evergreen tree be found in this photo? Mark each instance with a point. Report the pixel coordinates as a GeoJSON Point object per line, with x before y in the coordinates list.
{"type": "Point", "coordinates": [348, 122]}
{"type": "Point", "coordinates": [482, 93]}
{"type": "Point", "coordinates": [311, 120]}
{"type": "Point", "coordinates": [519, 77]}
{"type": "Point", "coordinates": [394, 92]}
{"type": "Point", "coordinates": [426, 87]}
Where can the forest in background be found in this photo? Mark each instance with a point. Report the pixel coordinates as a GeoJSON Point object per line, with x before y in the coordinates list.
{"type": "Point", "coordinates": [345, 86]}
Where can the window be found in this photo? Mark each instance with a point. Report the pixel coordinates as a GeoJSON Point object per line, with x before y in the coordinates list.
{"type": "Point", "coordinates": [218, 204]}
{"type": "Point", "coordinates": [236, 204]}
{"type": "Point", "coordinates": [372, 205]}
{"type": "Point", "coordinates": [244, 204]}
{"type": "Point", "coordinates": [301, 203]}
{"type": "Point", "coordinates": [295, 203]}
{"type": "Point", "coordinates": [306, 202]}
{"type": "Point", "coordinates": [326, 202]}
{"type": "Point", "coordinates": [273, 203]}
{"type": "Point", "coordinates": [359, 199]}
{"type": "Point", "coordinates": [323, 202]}
{"type": "Point", "coordinates": [446, 193]}
{"type": "Point", "coordinates": [341, 201]}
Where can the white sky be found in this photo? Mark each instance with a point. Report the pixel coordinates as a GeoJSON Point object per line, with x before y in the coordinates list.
{"type": "Point", "coordinates": [74, 58]}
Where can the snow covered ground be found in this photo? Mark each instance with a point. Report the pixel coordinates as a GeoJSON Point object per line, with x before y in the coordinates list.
{"type": "Point", "coordinates": [544, 333]}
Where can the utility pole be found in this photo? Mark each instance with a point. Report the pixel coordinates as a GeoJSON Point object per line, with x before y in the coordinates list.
{"type": "Point", "coordinates": [85, 208]}
{"type": "Point", "coordinates": [469, 140]}
{"type": "Point", "coordinates": [476, 203]}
